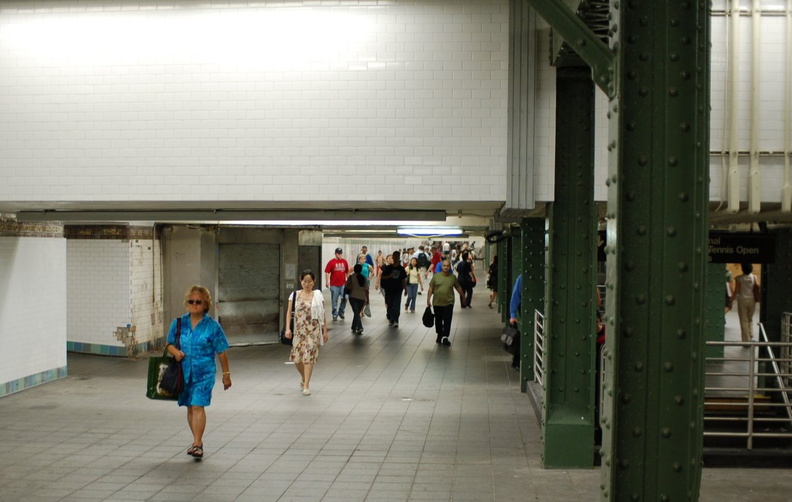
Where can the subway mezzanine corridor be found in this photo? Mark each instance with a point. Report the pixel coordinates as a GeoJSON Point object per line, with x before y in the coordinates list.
{"type": "Point", "coordinates": [393, 417]}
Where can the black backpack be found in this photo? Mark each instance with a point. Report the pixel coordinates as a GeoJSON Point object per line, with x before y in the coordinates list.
{"type": "Point", "coordinates": [423, 261]}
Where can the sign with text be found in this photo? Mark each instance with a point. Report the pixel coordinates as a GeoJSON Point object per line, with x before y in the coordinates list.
{"type": "Point", "coordinates": [725, 247]}
{"type": "Point", "coordinates": [741, 248]}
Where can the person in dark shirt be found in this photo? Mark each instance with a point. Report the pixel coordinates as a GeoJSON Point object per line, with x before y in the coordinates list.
{"type": "Point", "coordinates": [393, 279]}
{"type": "Point", "coordinates": [467, 279]}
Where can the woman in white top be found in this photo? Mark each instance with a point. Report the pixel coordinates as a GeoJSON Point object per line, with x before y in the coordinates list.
{"type": "Point", "coordinates": [746, 290]}
{"type": "Point", "coordinates": [413, 281]}
{"type": "Point", "coordinates": [310, 328]}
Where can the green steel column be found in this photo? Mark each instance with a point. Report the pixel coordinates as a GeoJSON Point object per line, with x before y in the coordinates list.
{"type": "Point", "coordinates": [533, 291]}
{"type": "Point", "coordinates": [776, 278]}
{"type": "Point", "coordinates": [715, 320]}
{"type": "Point", "coordinates": [568, 410]}
{"type": "Point", "coordinates": [504, 272]}
{"type": "Point", "coordinates": [657, 251]}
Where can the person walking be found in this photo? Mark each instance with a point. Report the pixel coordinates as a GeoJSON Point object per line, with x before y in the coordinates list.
{"type": "Point", "coordinates": [200, 339]}
{"type": "Point", "coordinates": [514, 312]}
{"type": "Point", "coordinates": [492, 280]}
{"type": "Point", "coordinates": [366, 269]}
{"type": "Point", "coordinates": [413, 282]}
{"type": "Point", "coordinates": [747, 293]}
{"type": "Point", "coordinates": [436, 259]}
{"type": "Point", "coordinates": [467, 278]}
{"type": "Point", "coordinates": [393, 279]}
{"type": "Point", "coordinates": [310, 328]}
{"type": "Point", "coordinates": [336, 273]}
{"type": "Point", "coordinates": [441, 297]}
{"type": "Point", "coordinates": [379, 261]}
{"type": "Point", "coordinates": [358, 288]}
{"type": "Point", "coordinates": [423, 258]}
{"type": "Point", "coordinates": [365, 253]}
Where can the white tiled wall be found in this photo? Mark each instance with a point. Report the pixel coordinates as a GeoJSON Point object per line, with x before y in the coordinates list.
{"type": "Point", "coordinates": [32, 306]}
{"type": "Point", "coordinates": [253, 101]}
{"type": "Point", "coordinates": [146, 289]}
{"type": "Point", "coordinates": [99, 292]}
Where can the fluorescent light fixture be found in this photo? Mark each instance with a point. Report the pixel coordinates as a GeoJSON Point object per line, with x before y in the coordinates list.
{"type": "Point", "coordinates": [426, 231]}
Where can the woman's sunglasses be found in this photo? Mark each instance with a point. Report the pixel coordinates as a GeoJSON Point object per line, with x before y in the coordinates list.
{"type": "Point", "coordinates": [194, 302]}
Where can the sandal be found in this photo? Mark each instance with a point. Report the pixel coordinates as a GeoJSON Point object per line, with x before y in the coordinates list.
{"type": "Point", "coordinates": [197, 451]}
{"type": "Point", "coordinates": [191, 449]}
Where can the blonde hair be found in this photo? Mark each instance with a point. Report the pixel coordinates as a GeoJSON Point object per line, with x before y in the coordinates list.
{"type": "Point", "coordinates": [207, 296]}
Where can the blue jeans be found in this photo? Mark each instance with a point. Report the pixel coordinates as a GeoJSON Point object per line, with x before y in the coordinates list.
{"type": "Point", "coordinates": [412, 294]}
{"type": "Point", "coordinates": [335, 293]}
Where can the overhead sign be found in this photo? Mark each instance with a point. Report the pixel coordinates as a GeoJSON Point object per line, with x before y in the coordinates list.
{"type": "Point", "coordinates": [727, 247]}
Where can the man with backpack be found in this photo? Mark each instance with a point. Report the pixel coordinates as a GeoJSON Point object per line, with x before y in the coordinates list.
{"type": "Point", "coordinates": [424, 261]}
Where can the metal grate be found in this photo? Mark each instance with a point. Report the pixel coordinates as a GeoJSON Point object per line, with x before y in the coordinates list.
{"type": "Point", "coordinates": [539, 348]}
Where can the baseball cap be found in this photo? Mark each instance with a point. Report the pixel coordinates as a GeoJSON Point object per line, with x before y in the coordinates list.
{"type": "Point", "coordinates": [339, 251]}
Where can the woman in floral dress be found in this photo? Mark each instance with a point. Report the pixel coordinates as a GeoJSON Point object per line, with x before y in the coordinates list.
{"type": "Point", "coordinates": [310, 328]}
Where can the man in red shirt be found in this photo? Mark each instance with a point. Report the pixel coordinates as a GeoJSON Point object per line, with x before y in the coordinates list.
{"type": "Point", "coordinates": [436, 258]}
{"type": "Point", "coordinates": [336, 273]}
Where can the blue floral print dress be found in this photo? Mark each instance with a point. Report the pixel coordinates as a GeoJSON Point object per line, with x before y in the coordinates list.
{"type": "Point", "coordinates": [200, 347]}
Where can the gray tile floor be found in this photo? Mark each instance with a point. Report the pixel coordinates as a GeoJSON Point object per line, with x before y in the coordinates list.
{"type": "Point", "coordinates": [393, 417]}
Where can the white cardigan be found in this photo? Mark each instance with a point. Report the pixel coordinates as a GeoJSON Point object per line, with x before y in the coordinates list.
{"type": "Point", "coordinates": [317, 307]}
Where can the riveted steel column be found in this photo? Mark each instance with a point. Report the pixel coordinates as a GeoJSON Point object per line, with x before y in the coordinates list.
{"type": "Point", "coordinates": [568, 411]}
{"type": "Point", "coordinates": [504, 273]}
{"type": "Point", "coordinates": [657, 251]}
{"type": "Point", "coordinates": [776, 278]}
{"type": "Point", "coordinates": [533, 291]}
{"type": "Point", "coordinates": [715, 321]}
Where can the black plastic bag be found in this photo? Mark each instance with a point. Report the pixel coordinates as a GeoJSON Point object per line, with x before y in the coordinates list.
{"type": "Point", "coordinates": [428, 317]}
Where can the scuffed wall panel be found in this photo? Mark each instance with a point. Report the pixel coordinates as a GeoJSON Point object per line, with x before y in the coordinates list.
{"type": "Point", "coordinates": [248, 291]}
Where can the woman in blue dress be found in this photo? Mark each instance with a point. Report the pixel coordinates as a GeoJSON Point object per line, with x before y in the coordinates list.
{"type": "Point", "coordinates": [201, 338]}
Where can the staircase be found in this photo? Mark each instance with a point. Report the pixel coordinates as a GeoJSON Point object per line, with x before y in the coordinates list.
{"type": "Point", "coordinates": [747, 409]}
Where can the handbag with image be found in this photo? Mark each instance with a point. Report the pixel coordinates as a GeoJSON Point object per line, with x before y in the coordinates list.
{"type": "Point", "coordinates": [510, 338]}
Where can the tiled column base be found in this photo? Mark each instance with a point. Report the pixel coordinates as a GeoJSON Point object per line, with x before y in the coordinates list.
{"type": "Point", "coordinates": [113, 350]}
{"type": "Point", "coordinates": [32, 380]}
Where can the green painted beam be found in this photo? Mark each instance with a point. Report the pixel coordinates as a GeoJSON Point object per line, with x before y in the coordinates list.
{"type": "Point", "coordinates": [568, 404]}
{"type": "Point", "coordinates": [776, 278]}
{"type": "Point", "coordinates": [715, 318]}
{"type": "Point", "coordinates": [581, 39]}
{"type": "Point", "coordinates": [658, 194]}
{"type": "Point", "coordinates": [533, 292]}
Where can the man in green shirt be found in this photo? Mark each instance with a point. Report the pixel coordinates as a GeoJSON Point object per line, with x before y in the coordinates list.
{"type": "Point", "coordinates": [441, 289]}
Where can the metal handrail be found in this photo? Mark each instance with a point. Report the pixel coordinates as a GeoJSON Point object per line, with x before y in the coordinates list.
{"type": "Point", "coordinates": [781, 383]}
{"type": "Point", "coordinates": [539, 348]}
{"type": "Point", "coordinates": [737, 383]}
